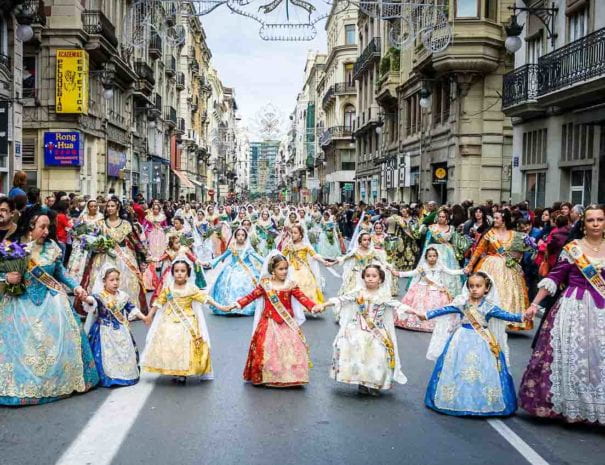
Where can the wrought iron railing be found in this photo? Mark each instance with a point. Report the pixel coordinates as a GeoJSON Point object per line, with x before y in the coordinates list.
{"type": "Point", "coordinates": [370, 53]}
{"type": "Point", "coordinates": [155, 45]}
{"type": "Point", "coordinates": [334, 132]}
{"type": "Point", "coordinates": [171, 65]}
{"type": "Point", "coordinates": [170, 115]}
{"type": "Point", "coordinates": [144, 71]}
{"type": "Point", "coordinates": [520, 85]}
{"type": "Point", "coordinates": [180, 80]}
{"type": "Point", "coordinates": [158, 103]}
{"type": "Point", "coordinates": [95, 22]}
{"type": "Point", "coordinates": [578, 61]}
{"type": "Point", "coordinates": [180, 124]}
{"type": "Point", "coordinates": [339, 88]}
{"type": "Point", "coordinates": [328, 96]}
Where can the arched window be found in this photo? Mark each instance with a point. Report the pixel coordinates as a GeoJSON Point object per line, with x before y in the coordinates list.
{"type": "Point", "coordinates": [349, 116]}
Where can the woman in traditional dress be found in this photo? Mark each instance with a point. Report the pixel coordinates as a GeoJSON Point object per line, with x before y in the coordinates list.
{"type": "Point", "coordinates": [304, 269]}
{"type": "Point", "coordinates": [365, 348]}
{"type": "Point", "coordinates": [564, 377]}
{"type": "Point", "coordinates": [202, 244]}
{"type": "Point", "coordinates": [278, 354]}
{"type": "Point", "coordinates": [86, 224]}
{"type": "Point", "coordinates": [355, 262]}
{"type": "Point", "coordinates": [154, 225]}
{"type": "Point", "coordinates": [427, 292]}
{"type": "Point", "coordinates": [440, 236]}
{"type": "Point", "coordinates": [128, 255]}
{"type": "Point", "coordinates": [328, 244]}
{"type": "Point", "coordinates": [238, 275]}
{"type": "Point", "coordinates": [401, 243]}
{"type": "Point", "coordinates": [217, 239]}
{"type": "Point", "coordinates": [264, 232]}
{"type": "Point", "coordinates": [499, 254]}
{"type": "Point", "coordinates": [108, 328]}
{"type": "Point", "coordinates": [177, 343]}
{"type": "Point", "coordinates": [44, 352]}
{"type": "Point", "coordinates": [471, 376]}
{"type": "Point", "coordinates": [313, 224]}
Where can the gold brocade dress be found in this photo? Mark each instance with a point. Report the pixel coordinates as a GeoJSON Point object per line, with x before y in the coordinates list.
{"type": "Point", "coordinates": [299, 258]}
{"type": "Point", "coordinates": [174, 347]}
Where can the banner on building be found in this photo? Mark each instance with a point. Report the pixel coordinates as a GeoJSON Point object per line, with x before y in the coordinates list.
{"type": "Point", "coordinates": [71, 90]}
{"type": "Point", "coordinates": [116, 162]}
{"type": "Point", "coordinates": [63, 148]}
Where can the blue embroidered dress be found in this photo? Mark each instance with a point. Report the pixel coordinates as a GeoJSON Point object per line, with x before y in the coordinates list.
{"type": "Point", "coordinates": [44, 353]}
{"type": "Point", "coordinates": [468, 379]}
{"type": "Point", "coordinates": [113, 347]}
{"type": "Point", "coordinates": [238, 277]}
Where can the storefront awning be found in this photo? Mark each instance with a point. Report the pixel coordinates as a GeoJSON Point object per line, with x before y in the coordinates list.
{"type": "Point", "coordinates": [185, 182]}
{"type": "Point", "coordinates": [197, 183]}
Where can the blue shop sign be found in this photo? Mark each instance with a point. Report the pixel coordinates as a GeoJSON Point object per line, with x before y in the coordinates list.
{"type": "Point", "coordinates": [63, 148]}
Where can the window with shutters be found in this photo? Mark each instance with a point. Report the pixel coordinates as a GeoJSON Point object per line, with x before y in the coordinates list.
{"type": "Point", "coordinates": [28, 148]}
{"type": "Point", "coordinates": [534, 147]}
{"type": "Point", "coordinates": [577, 142]}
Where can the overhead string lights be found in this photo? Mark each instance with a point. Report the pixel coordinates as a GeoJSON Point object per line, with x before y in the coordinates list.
{"type": "Point", "coordinates": [290, 20]}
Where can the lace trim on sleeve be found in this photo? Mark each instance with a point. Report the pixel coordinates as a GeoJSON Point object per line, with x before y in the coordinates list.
{"type": "Point", "coordinates": [549, 285]}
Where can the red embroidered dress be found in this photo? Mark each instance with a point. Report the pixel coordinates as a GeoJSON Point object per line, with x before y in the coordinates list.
{"type": "Point", "coordinates": [278, 354]}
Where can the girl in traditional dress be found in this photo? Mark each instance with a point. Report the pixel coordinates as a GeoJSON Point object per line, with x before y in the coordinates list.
{"type": "Point", "coordinates": [239, 274]}
{"type": "Point", "coordinates": [304, 269]}
{"type": "Point", "coordinates": [427, 291]}
{"type": "Point", "coordinates": [265, 233]}
{"type": "Point", "coordinates": [291, 220]}
{"type": "Point", "coordinates": [178, 343]}
{"type": "Point", "coordinates": [564, 377]}
{"type": "Point", "coordinates": [440, 236]}
{"type": "Point", "coordinates": [363, 226]}
{"type": "Point", "coordinates": [355, 262]}
{"type": "Point", "coordinates": [328, 244]}
{"type": "Point", "coordinates": [44, 353]}
{"type": "Point", "coordinates": [176, 250]}
{"type": "Point", "coordinates": [108, 328]}
{"type": "Point", "coordinates": [278, 354]}
{"type": "Point", "coordinates": [365, 348]}
{"type": "Point", "coordinates": [154, 225]}
{"type": "Point", "coordinates": [499, 254]}
{"type": "Point", "coordinates": [471, 376]}
{"type": "Point", "coordinates": [128, 255]}
{"type": "Point", "coordinates": [86, 224]}
{"type": "Point", "coordinates": [218, 241]}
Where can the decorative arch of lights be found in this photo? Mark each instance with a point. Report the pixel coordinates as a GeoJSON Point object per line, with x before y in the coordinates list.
{"type": "Point", "coordinates": [288, 20]}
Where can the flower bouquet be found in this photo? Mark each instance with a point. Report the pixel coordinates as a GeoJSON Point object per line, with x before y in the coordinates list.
{"type": "Point", "coordinates": [99, 244]}
{"type": "Point", "coordinates": [313, 237]}
{"type": "Point", "coordinates": [330, 236]}
{"type": "Point", "coordinates": [186, 240]}
{"type": "Point", "coordinates": [14, 257]}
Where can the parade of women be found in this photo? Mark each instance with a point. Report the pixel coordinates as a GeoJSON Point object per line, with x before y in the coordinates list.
{"type": "Point", "coordinates": [77, 276]}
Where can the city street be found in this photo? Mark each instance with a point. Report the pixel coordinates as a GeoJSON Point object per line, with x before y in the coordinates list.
{"type": "Point", "coordinates": [228, 422]}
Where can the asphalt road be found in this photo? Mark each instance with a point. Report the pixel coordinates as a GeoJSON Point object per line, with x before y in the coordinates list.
{"type": "Point", "coordinates": [228, 422]}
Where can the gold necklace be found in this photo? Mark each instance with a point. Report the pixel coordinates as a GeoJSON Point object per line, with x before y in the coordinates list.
{"type": "Point", "coordinates": [593, 247]}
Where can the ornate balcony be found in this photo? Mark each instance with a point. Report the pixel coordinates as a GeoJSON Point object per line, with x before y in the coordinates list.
{"type": "Point", "coordinates": [577, 62]}
{"type": "Point", "coordinates": [170, 116]}
{"type": "Point", "coordinates": [180, 80]}
{"type": "Point", "coordinates": [335, 132]}
{"type": "Point", "coordinates": [155, 46]}
{"type": "Point", "coordinates": [180, 125]}
{"type": "Point", "coordinates": [341, 88]}
{"type": "Point", "coordinates": [96, 23]}
{"type": "Point", "coordinates": [171, 66]}
{"type": "Point", "coordinates": [520, 86]}
{"type": "Point", "coordinates": [370, 55]}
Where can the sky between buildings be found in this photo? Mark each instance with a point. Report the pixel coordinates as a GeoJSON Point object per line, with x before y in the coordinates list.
{"type": "Point", "coordinates": [261, 71]}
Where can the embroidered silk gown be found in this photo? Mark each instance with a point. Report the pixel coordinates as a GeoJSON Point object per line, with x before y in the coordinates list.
{"type": "Point", "coordinates": [113, 346]}
{"type": "Point", "coordinates": [442, 242]}
{"type": "Point", "coordinates": [238, 276]}
{"type": "Point", "coordinates": [178, 343]}
{"type": "Point", "coordinates": [468, 379]}
{"type": "Point", "coordinates": [564, 377]}
{"type": "Point", "coordinates": [303, 271]}
{"type": "Point", "coordinates": [154, 226]}
{"type": "Point", "coordinates": [264, 237]}
{"type": "Point", "coordinates": [278, 354]}
{"type": "Point", "coordinates": [131, 254]}
{"type": "Point", "coordinates": [79, 255]}
{"type": "Point", "coordinates": [502, 262]}
{"type": "Point", "coordinates": [365, 348]}
{"type": "Point", "coordinates": [44, 352]}
{"type": "Point", "coordinates": [353, 264]}
{"type": "Point", "coordinates": [426, 292]}
{"type": "Point", "coordinates": [329, 244]}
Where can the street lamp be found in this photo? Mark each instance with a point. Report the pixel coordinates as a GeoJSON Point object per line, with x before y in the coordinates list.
{"type": "Point", "coordinates": [25, 14]}
{"type": "Point", "coordinates": [425, 98]}
{"type": "Point", "coordinates": [545, 14]}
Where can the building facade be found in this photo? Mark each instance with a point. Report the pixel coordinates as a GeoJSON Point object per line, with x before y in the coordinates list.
{"type": "Point", "coordinates": [556, 99]}
{"type": "Point", "coordinates": [264, 172]}
{"type": "Point", "coordinates": [337, 89]}
{"type": "Point", "coordinates": [103, 109]}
